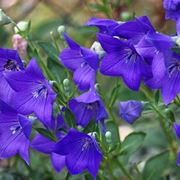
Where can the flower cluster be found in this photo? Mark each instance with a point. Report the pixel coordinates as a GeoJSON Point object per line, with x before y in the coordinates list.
{"type": "Point", "coordinates": [132, 50]}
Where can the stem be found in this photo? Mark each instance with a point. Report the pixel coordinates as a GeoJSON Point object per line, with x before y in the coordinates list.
{"type": "Point", "coordinates": [161, 119]}
{"type": "Point", "coordinates": [123, 169]}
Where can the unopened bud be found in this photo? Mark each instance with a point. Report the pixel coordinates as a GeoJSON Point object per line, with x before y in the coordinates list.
{"type": "Point", "coordinates": [98, 49]}
{"type": "Point", "coordinates": [61, 29]}
{"type": "Point", "coordinates": [97, 87]}
{"type": "Point", "coordinates": [4, 19]}
{"type": "Point", "coordinates": [126, 16]}
{"type": "Point", "coordinates": [178, 41]}
{"type": "Point", "coordinates": [66, 82]}
{"type": "Point", "coordinates": [108, 136]}
{"type": "Point", "coordinates": [21, 26]}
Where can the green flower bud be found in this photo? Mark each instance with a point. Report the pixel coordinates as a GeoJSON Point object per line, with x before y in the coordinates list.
{"type": "Point", "coordinates": [66, 82]}
{"type": "Point", "coordinates": [178, 41]}
{"type": "Point", "coordinates": [4, 19]}
{"type": "Point", "coordinates": [22, 26]}
{"type": "Point", "coordinates": [61, 29]}
{"type": "Point", "coordinates": [108, 136]}
{"type": "Point", "coordinates": [126, 16]}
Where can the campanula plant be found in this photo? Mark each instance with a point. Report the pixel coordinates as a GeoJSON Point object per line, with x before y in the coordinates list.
{"type": "Point", "coordinates": [106, 108]}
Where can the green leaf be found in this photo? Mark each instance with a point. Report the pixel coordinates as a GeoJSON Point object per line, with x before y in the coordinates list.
{"type": "Point", "coordinates": [91, 127]}
{"type": "Point", "coordinates": [69, 118]}
{"type": "Point", "coordinates": [156, 166]}
{"type": "Point", "coordinates": [113, 128]}
{"type": "Point", "coordinates": [57, 70]}
{"type": "Point", "coordinates": [49, 49]}
{"type": "Point", "coordinates": [132, 142]}
{"type": "Point", "coordinates": [46, 133]}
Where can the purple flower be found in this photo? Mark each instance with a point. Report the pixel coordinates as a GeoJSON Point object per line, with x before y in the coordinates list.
{"type": "Point", "coordinates": [172, 8]}
{"type": "Point", "coordinates": [82, 61]}
{"type": "Point", "coordinates": [177, 130]}
{"type": "Point", "coordinates": [81, 151]}
{"type": "Point", "coordinates": [134, 29]}
{"type": "Point", "coordinates": [105, 26]}
{"type": "Point", "coordinates": [122, 59]}
{"type": "Point", "coordinates": [15, 130]}
{"type": "Point", "coordinates": [46, 146]}
{"type": "Point", "coordinates": [87, 107]}
{"type": "Point", "coordinates": [9, 61]}
{"type": "Point", "coordinates": [130, 110]}
{"type": "Point", "coordinates": [165, 68]}
{"type": "Point", "coordinates": [33, 92]}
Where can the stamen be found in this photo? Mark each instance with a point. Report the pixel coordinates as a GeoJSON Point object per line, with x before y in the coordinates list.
{"type": "Point", "coordinates": [15, 129]}
{"type": "Point", "coordinates": [40, 91]}
{"type": "Point", "coordinates": [87, 142]}
{"type": "Point", "coordinates": [11, 65]}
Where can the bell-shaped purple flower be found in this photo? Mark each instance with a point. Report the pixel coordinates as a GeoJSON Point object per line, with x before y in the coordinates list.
{"type": "Point", "coordinates": [15, 131]}
{"type": "Point", "coordinates": [105, 26]}
{"type": "Point", "coordinates": [87, 107]}
{"type": "Point", "coordinates": [122, 59]}
{"type": "Point", "coordinates": [165, 67]}
{"type": "Point", "coordinates": [130, 110]}
{"type": "Point", "coordinates": [33, 92]}
{"type": "Point", "coordinates": [172, 8]}
{"type": "Point", "coordinates": [81, 151]}
{"type": "Point", "coordinates": [9, 61]}
{"type": "Point", "coordinates": [82, 61]}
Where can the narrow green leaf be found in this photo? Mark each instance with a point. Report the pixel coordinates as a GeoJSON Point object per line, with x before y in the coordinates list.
{"type": "Point", "coordinates": [46, 133]}
{"type": "Point", "coordinates": [156, 166]}
{"type": "Point", "coordinates": [69, 118]}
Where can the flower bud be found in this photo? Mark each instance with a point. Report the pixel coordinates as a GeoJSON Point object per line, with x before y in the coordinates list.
{"type": "Point", "coordinates": [178, 41]}
{"type": "Point", "coordinates": [66, 82]}
{"type": "Point", "coordinates": [61, 29]}
{"type": "Point", "coordinates": [98, 49]}
{"type": "Point", "coordinates": [126, 16]}
{"type": "Point", "coordinates": [4, 19]}
{"type": "Point", "coordinates": [130, 110]}
{"type": "Point", "coordinates": [21, 26]}
{"type": "Point", "coordinates": [108, 136]}
{"type": "Point", "coordinates": [19, 44]}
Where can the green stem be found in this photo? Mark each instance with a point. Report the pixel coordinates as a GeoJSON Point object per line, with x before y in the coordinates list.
{"type": "Point", "coordinates": [123, 169]}
{"type": "Point", "coordinates": [161, 119]}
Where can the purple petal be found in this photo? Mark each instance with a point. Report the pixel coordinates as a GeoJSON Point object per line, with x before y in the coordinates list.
{"type": "Point", "coordinates": [170, 87]}
{"type": "Point", "coordinates": [72, 44]}
{"type": "Point", "coordinates": [91, 57]}
{"type": "Point", "coordinates": [177, 129]}
{"type": "Point", "coordinates": [135, 29]}
{"type": "Point", "coordinates": [110, 44]}
{"type": "Point", "coordinates": [58, 161]}
{"type": "Point", "coordinates": [71, 58]}
{"type": "Point", "coordinates": [26, 125]}
{"type": "Point", "coordinates": [43, 144]}
{"type": "Point", "coordinates": [84, 77]}
{"type": "Point", "coordinates": [9, 54]}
